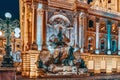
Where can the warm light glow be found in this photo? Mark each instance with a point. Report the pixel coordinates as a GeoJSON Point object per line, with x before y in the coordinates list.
{"type": "Point", "coordinates": [17, 35]}
{"type": "Point", "coordinates": [17, 30]}
{"type": "Point", "coordinates": [0, 33]}
{"type": "Point", "coordinates": [8, 15]}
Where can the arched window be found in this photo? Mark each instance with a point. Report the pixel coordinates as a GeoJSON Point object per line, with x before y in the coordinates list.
{"type": "Point", "coordinates": [88, 1]}
{"type": "Point", "coordinates": [91, 24]}
{"type": "Point", "coordinates": [114, 46]}
{"type": "Point", "coordinates": [102, 45]}
{"type": "Point", "coordinates": [109, 1]}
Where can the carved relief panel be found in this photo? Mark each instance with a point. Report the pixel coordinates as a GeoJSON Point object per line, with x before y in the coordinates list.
{"type": "Point", "coordinates": [102, 26]}
{"type": "Point", "coordinates": [114, 29]}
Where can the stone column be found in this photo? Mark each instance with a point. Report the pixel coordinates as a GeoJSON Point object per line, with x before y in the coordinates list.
{"type": "Point", "coordinates": [109, 37]}
{"type": "Point", "coordinates": [81, 31]}
{"type": "Point", "coordinates": [34, 20]}
{"type": "Point", "coordinates": [119, 39]}
{"type": "Point", "coordinates": [44, 28]}
{"type": "Point", "coordinates": [97, 36]}
{"type": "Point", "coordinates": [39, 30]}
{"type": "Point", "coordinates": [76, 31]}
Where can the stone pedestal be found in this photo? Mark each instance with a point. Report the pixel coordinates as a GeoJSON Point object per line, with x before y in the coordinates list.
{"type": "Point", "coordinates": [7, 73]}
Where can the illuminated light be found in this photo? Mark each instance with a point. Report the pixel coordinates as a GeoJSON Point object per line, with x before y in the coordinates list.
{"type": "Point", "coordinates": [40, 6]}
{"type": "Point", "coordinates": [17, 30]}
{"type": "Point", "coordinates": [119, 53]}
{"type": "Point", "coordinates": [97, 51]}
{"type": "Point", "coordinates": [17, 35]}
{"type": "Point", "coordinates": [109, 52]}
{"type": "Point", "coordinates": [0, 33]}
{"type": "Point", "coordinates": [8, 15]}
{"type": "Point", "coordinates": [81, 50]}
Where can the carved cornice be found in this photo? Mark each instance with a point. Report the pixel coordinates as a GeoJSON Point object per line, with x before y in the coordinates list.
{"type": "Point", "coordinates": [62, 4]}
{"type": "Point", "coordinates": [72, 6]}
{"type": "Point", "coordinates": [104, 14]}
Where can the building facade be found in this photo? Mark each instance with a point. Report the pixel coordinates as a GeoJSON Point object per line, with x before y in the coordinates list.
{"type": "Point", "coordinates": [92, 27]}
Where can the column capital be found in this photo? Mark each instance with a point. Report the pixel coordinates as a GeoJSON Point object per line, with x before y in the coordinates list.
{"type": "Point", "coordinates": [82, 14]}
{"type": "Point", "coordinates": [97, 20]}
{"type": "Point", "coordinates": [35, 5]}
{"type": "Point", "coordinates": [97, 23]}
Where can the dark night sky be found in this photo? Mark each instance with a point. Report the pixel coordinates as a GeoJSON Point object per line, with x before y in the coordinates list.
{"type": "Point", "coordinates": [11, 6]}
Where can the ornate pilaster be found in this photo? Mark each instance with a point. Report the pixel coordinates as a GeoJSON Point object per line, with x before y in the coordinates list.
{"type": "Point", "coordinates": [109, 37]}
{"type": "Point", "coordinates": [76, 30]}
{"type": "Point", "coordinates": [34, 20]}
{"type": "Point", "coordinates": [26, 27]}
{"type": "Point", "coordinates": [41, 26]}
{"type": "Point", "coordinates": [44, 28]}
{"type": "Point", "coordinates": [119, 39]}
{"type": "Point", "coordinates": [81, 31]}
{"type": "Point", "coordinates": [39, 30]}
{"type": "Point", "coordinates": [97, 36]}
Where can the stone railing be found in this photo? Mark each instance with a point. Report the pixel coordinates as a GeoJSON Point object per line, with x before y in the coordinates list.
{"type": "Point", "coordinates": [105, 10]}
{"type": "Point", "coordinates": [102, 63]}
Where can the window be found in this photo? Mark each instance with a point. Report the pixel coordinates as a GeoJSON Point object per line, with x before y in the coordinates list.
{"type": "Point", "coordinates": [103, 45]}
{"type": "Point", "coordinates": [109, 1]}
{"type": "Point", "coordinates": [90, 24]}
{"type": "Point", "coordinates": [89, 1]}
{"type": "Point", "coordinates": [114, 46]}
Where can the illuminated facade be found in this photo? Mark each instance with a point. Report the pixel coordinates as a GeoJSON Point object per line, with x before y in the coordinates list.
{"type": "Point", "coordinates": [91, 28]}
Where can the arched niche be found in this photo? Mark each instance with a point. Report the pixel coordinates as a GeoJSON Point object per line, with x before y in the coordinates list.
{"type": "Point", "coordinates": [54, 24]}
